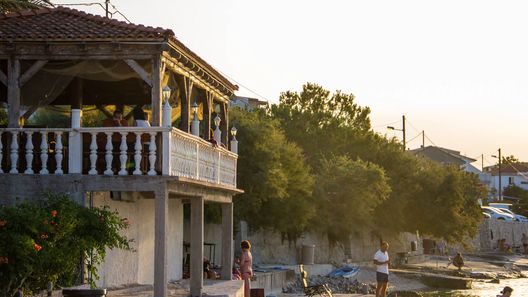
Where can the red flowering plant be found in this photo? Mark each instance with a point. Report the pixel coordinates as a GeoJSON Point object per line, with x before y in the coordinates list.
{"type": "Point", "coordinates": [45, 240]}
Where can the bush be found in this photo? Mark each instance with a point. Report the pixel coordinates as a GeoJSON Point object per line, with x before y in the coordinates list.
{"type": "Point", "coordinates": [44, 241]}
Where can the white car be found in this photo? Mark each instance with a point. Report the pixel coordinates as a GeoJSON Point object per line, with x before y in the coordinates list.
{"type": "Point", "coordinates": [518, 217]}
{"type": "Point", "coordinates": [498, 214]}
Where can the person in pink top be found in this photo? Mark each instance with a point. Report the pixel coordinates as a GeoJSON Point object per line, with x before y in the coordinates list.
{"type": "Point", "coordinates": [246, 264]}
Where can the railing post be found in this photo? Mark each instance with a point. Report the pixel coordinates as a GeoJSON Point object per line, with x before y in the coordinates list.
{"type": "Point", "coordinates": [29, 153]}
{"type": "Point", "coordinates": [218, 168]}
{"type": "Point", "coordinates": [93, 154]}
{"type": "Point", "coordinates": [166, 166]}
{"type": "Point", "coordinates": [197, 161]}
{"type": "Point", "coordinates": [123, 154]}
{"type": "Point", "coordinates": [137, 154]}
{"type": "Point", "coordinates": [108, 155]}
{"type": "Point", "coordinates": [152, 154]}
{"type": "Point", "coordinates": [14, 152]}
{"type": "Point", "coordinates": [58, 152]}
{"type": "Point", "coordinates": [75, 143]}
{"type": "Point", "coordinates": [44, 153]}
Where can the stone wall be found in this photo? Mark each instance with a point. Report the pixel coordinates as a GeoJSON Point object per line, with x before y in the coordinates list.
{"type": "Point", "coordinates": [137, 267]}
{"type": "Point", "coordinates": [492, 230]}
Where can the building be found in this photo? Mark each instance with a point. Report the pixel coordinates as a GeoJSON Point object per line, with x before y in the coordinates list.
{"type": "Point", "coordinates": [61, 56]}
{"type": "Point", "coordinates": [510, 174]}
{"type": "Point", "coordinates": [447, 157]}
{"type": "Point", "coordinates": [247, 103]}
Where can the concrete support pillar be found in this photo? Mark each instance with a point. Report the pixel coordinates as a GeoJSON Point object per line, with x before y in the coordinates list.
{"type": "Point", "coordinates": [227, 240]}
{"type": "Point", "coordinates": [197, 241]}
{"type": "Point", "coordinates": [13, 93]}
{"type": "Point", "coordinates": [160, 244]}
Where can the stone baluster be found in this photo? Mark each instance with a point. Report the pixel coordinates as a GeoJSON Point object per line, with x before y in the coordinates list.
{"type": "Point", "coordinates": [123, 154]}
{"type": "Point", "coordinates": [44, 153]}
{"type": "Point", "coordinates": [108, 156]}
{"type": "Point", "coordinates": [14, 152]}
{"type": "Point", "coordinates": [29, 153]}
{"type": "Point", "coordinates": [58, 152]}
{"type": "Point", "coordinates": [152, 154]}
{"type": "Point", "coordinates": [93, 154]}
{"type": "Point", "coordinates": [1, 152]}
{"type": "Point", "coordinates": [137, 154]}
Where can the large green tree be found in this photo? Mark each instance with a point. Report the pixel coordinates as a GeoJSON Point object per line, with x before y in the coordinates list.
{"type": "Point", "coordinates": [14, 5]}
{"type": "Point", "coordinates": [275, 178]}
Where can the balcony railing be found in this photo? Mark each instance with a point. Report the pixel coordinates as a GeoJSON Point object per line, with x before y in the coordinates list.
{"type": "Point", "coordinates": [115, 151]}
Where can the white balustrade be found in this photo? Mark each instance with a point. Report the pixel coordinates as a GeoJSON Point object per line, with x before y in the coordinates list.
{"type": "Point", "coordinates": [152, 154]}
{"type": "Point", "coordinates": [14, 152]}
{"type": "Point", "coordinates": [44, 153]}
{"type": "Point", "coordinates": [123, 154]}
{"type": "Point", "coordinates": [58, 152]}
{"type": "Point", "coordinates": [137, 155]}
{"type": "Point", "coordinates": [108, 157]}
{"type": "Point", "coordinates": [29, 153]}
{"type": "Point", "coordinates": [93, 154]}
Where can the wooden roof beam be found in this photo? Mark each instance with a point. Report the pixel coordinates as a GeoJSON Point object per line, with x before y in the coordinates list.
{"type": "Point", "coordinates": [31, 71]}
{"type": "Point", "coordinates": [140, 71]}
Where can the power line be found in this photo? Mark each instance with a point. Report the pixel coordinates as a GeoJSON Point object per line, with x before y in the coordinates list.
{"type": "Point", "coordinates": [408, 141]}
{"type": "Point", "coordinates": [240, 84]}
{"type": "Point", "coordinates": [384, 125]}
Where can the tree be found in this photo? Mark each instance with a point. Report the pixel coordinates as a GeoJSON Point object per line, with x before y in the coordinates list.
{"type": "Point", "coordinates": [275, 178]}
{"type": "Point", "coordinates": [14, 5]}
{"type": "Point", "coordinates": [347, 192]}
{"type": "Point", "coordinates": [521, 206]}
{"type": "Point", "coordinates": [511, 159]}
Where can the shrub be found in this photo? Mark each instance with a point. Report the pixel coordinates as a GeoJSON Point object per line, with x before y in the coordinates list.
{"type": "Point", "coordinates": [45, 240]}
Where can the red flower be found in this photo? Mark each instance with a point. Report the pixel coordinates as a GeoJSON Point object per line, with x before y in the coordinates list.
{"type": "Point", "coordinates": [2, 223]}
{"type": "Point", "coordinates": [37, 247]}
{"type": "Point", "coordinates": [4, 260]}
{"type": "Point", "coordinates": [53, 213]}
{"type": "Point", "coordinates": [44, 236]}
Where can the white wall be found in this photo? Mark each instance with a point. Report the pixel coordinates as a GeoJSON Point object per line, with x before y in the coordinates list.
{"type": "Point", "coordinates": [137, 267]}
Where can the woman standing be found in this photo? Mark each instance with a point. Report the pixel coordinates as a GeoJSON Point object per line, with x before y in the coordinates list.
{"type": "Point", "coordinates": [246, 264]}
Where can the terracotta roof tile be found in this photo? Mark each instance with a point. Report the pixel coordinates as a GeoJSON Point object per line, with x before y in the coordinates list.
{"type": "Point", "coordinates": [64, 23]}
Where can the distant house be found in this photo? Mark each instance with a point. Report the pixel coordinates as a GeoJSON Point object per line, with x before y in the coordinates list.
{"type": "Point", "coordinates": [447, 157]}
{"type": "Point", "coordinates": [511, 174]}
{"type": "Point", "coordinates": [247, 103]}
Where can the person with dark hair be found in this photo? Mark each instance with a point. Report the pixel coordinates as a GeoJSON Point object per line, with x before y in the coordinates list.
{"type": "Point", "coordinates": [116, 120]}
{"type": "Point", "coordinates": [381, 260]}
{"type": "Point", "coordinates": [506, 292]}
{"type": "Point", "coordinates": [246, 266]}
{"type": "Point", "coordinates": [140, 117]}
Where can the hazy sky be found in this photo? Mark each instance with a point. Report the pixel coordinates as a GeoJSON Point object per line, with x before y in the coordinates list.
{"type": "Point", "coordinates": [456, 69]}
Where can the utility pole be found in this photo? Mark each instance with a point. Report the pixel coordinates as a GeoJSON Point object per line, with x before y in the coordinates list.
{"type": "Point", "coordinates": [106, 7]}
{"type": "Point", "coordinates": [482, 162]}
{"type": "Point", "coordinates": [500, 176]}
{"type": "Point", "coordinates": [403, 130]}
{"type": "Point", "coordinates": [423, 139]}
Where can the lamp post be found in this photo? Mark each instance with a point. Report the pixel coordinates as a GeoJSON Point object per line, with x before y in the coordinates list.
{"type": "Point", "coordinates": [500, 176]}
{"type": "Point", "coordinates": [217, 135]}
{"type": "Point", "coordinates": [403, 130]}
{"type": "Point", "coordinates": [234, 141]}
{"type": "Point", "coordinates": [166, 109]}
{"type": "Point", "coordinates": [195, 124]}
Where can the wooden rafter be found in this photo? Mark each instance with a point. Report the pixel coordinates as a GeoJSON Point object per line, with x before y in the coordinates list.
{"type": "Point", "coordinates": [106, 112]}
{"type": "Point", "coordinates": [24, 78]}
{"type": "Point", "coordinates": [147, 78]}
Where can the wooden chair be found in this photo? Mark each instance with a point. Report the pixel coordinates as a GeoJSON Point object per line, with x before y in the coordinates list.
{"type": "Point", "coordinates": [321, 289]}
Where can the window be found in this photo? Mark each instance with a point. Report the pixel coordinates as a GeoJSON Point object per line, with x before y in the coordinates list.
{"type": "Point", "coordinates": [510, 180]}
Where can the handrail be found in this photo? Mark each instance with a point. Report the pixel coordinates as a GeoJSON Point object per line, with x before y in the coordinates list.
{"type": "Point", "coordinates": [203, 142]}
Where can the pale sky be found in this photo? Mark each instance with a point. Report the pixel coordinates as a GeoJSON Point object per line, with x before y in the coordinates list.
{"type": "Point", "coordinates": [456, 69]}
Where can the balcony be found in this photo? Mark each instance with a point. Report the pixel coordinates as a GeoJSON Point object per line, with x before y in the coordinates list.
{"type": "Point", "coordinates": [121, 151]}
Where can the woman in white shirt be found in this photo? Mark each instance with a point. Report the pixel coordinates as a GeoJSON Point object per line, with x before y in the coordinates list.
{"type": "Point", "coordinates": [140, 117]}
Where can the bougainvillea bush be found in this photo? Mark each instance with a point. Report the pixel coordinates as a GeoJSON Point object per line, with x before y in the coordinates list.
{"type": "Point", "coordinates": [45, 241]}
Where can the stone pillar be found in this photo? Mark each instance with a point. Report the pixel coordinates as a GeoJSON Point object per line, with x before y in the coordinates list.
{"type": "Point", "coordinates": [75, 143]}
{"type": "Point", "coordinates": [227, 240]}
{"type": "Point", "coordinates": [13, 93]}
{"type": "Point", "coordinates": [156, 91]}
{"type": "Point", "coordinates": [160, 244]}
{"type": "Point", "coordinates": [197, 241]}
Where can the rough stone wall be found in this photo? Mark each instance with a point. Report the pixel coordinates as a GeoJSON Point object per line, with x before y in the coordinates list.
{"type": "Point", "coordinates": [492, 230]}
{"type": "Point", "coordinates": [137, 267]}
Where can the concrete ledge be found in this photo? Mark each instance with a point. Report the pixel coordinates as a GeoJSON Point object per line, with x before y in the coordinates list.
{"type": "Point", "coordinates": [273, 281]}
{"type": "Point", "coordinates": [223, 288]}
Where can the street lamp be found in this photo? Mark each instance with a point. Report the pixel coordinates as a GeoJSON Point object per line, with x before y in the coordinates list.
{"type": "Point", "coordinates": [234, 141]}
{"type": "Point", "coordinates": [500, 176]}
{"type": "Point", "coordinates": [166, 92]}
{"type": "Point", "coordinates": [195, 123]}
{"type": "Point", "coordinates": [402, 130]}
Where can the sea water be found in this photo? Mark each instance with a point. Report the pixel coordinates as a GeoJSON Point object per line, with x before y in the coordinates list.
{"type": "Point", "coordinates": [484, 289]}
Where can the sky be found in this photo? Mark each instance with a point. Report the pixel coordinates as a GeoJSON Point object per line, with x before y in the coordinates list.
{"type": "Point", "coordinates": [456, 69]}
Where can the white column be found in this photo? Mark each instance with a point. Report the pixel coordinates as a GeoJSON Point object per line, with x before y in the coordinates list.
{"type": "Point", "coordinates": [14, 152]}
{"type": "Point", "coordinates": [197, 240]}
{"type": "Point", "coordinates": [137, 154]}
{"type": "Point", "coordinates": [166, 166]}
{"type": "Point", "coordinates": [58, 153]}
{"type": "Point", "coordinates": [93, 154]}
{"type": "Point", "coordinates": [123, 154]}
{"type": "Point", "coordinates": [29, 153]}
{"type": "Point", "coordinates": [227, 240]}
{"type": "Point", "coordinates": [167, 115]}
{"type": "Point", "coordinates": [152, 154]}
{"type": "Point", "coordinates": [108, 156]}
{"type": "Point", "coordinates": [75, 143]}
{"type": "Point", "coordinates": [160, 242]}
{"type": "Point", "coordinates": [218, 135]}
{"type": "Point", "coordinates": [44, 153]}
{"type": "Point", "coordinates": [234, 145]}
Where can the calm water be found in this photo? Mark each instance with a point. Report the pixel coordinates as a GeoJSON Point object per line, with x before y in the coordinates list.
{"type": "Point", "coordinates": [480, 289]}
